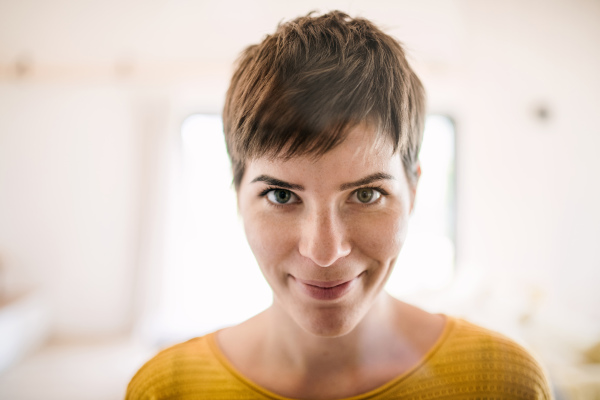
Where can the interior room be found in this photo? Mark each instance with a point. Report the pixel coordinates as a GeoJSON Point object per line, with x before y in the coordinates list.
{"type": "Point", "coordinates": [117, 214]}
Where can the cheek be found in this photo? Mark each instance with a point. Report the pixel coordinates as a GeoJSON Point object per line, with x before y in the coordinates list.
{"type": "Point", "coordinates": [270, 240]}
{"type": "Point", "coordinates": [381, 237]}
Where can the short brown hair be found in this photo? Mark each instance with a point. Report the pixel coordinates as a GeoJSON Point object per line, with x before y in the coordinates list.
{"type": "Point", "coordinates": [300, 90]}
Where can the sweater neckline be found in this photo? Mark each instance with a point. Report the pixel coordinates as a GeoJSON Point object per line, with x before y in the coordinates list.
{"type": "Point", "coordinates": [215, 349]}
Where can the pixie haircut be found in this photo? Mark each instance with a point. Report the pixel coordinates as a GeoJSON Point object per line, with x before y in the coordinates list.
{"type": "Point", "coordinates": [299, 91]}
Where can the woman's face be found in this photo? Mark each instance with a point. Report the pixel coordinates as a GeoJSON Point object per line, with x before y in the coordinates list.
{"type": "Point", "coordinates": [326, 232]}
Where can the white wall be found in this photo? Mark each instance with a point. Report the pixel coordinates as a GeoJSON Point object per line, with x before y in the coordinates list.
{"type": "Point", "coordinates": [69, 179]}
{"type": "Point", "coordinates": [80, 84]}
{"type": "Point", "coordinates": [530, 187]}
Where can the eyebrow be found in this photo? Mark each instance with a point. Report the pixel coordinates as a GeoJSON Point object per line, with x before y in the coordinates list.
{"type": "Point", "coordinates": [345, 186]}
{"type": "Point", "coordinates": [379, 176]}
{"type": "Point", "coordinates": [277, 182]}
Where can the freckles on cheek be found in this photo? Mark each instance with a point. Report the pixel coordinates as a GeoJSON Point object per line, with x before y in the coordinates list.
{"type": "Point", "coordinates": [384, 239]}
{"type": "Point", "coordinates": [267, 239]}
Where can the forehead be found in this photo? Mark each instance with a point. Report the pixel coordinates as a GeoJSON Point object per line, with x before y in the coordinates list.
{"type": "Point", "coordinates": [362, 152]}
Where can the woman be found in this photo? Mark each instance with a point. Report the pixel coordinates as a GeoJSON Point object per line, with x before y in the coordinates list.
{"type": "Point", "coordinates": [323, 122]}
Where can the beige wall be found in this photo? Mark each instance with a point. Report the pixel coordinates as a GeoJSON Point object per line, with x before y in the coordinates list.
{"type": "Point", "coordinates": [70, 189]}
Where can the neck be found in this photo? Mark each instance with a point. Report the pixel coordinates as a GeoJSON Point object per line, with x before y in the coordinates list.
{"type": "Point", "coordinates": [373, 339]}
{"type": "Point", "coordinates": [277, 353]}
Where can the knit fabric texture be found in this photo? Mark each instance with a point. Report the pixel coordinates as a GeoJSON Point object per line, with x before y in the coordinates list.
{"type": "Point", "coordinates": [467, 362]}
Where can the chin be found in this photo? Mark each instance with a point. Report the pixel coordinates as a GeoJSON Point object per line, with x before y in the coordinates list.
{"type": "Point", "coordinates": [329, 323]}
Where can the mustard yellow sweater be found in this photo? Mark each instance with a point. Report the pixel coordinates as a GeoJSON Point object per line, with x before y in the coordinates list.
{"type": "Point", "coordinates": [467, 362]}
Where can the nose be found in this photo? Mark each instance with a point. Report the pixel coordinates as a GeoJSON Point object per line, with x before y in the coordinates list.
{"type": "Point", "coordinates": [323, 238]}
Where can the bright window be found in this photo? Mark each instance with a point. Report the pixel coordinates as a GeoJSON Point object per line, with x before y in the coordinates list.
{"type": "Point", "coordinates": [212, 279]}
{"type": "Point", "coordinates": [426, 262]}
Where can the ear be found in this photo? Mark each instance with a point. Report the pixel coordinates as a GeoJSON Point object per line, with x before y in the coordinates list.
{"type": "Point", "coordinates": [237, 197]}
{"type": "Point", "coordinates": [414, 182]}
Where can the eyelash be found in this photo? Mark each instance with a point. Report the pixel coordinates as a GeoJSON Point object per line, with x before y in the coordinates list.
{"type": "Point", "coordinates": [379, 189]}
{"type": "Point", "coordinates": [270, 189]}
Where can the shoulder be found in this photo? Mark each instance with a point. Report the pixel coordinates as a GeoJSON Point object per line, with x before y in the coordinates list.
{"type": "Point", "coordinates": [490, 359]}
{"type": "Point", "coordinates": [487, 345]}
{"type": "Point", "coordinates": [182, 367]}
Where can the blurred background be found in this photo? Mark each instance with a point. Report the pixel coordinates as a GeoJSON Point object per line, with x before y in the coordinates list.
{"type": "Point", "coordinates": [118, 226]}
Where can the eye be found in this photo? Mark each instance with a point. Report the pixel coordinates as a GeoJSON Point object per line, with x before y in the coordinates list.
{"type": "Point", "coordinates": [366, 195]}
{"type": "Point", "coordinates": [281, 196]}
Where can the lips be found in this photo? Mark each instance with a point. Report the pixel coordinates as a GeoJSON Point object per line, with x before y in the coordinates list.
{"type": "Point", "coordinates": [322, 284]}
{"type": "Point", "coordinates": [325, 290]}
